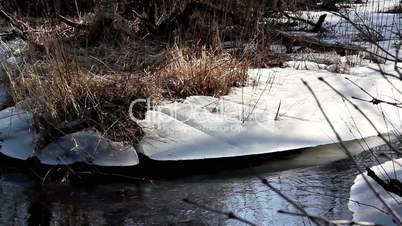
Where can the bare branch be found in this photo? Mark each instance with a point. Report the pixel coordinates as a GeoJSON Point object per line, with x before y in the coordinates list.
{"type": "Point", "coordinates": [303, 211]}
{"type": "Point", "coordinates": [373, 100]}
{"type": "Point", "coordinates": [228, 214]}
{"type": "Point", "coordinates": [72, 23]}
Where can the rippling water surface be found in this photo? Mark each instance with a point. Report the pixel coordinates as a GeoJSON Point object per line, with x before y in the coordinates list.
{"type": "Point", "coordinates": [321, 189]}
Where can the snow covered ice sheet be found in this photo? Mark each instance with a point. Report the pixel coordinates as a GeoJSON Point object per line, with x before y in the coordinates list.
{"type": "Point", "coordinates": [275, 113]}
{"type": "Point", "coordinates": [88, 147]}
{"type": "Point", "coordinates": [16, 140]}
{"type": "Point", "coordinates": [15, 133]}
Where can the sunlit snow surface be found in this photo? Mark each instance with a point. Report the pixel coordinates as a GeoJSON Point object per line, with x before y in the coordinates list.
{"type": "Point", "coordinates": [360, 192]}
{"type": "Point", "coordinates": [246, 122]}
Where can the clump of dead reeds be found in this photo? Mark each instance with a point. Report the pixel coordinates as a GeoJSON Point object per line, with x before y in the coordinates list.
{"type": "Point", "coordinates": [206, 72]}
{"type": "Point", "coordinates": [63, 93]}
{"type": "Point", "coordinates": [58, 92]}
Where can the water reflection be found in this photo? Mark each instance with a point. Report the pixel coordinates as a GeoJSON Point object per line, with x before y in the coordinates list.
{"type": "Point", "coordinates": [13, 205]}
{"type": "Point", "coordinates": [322, 190]}
{"type": "Point", "coordinates": [39, 213]}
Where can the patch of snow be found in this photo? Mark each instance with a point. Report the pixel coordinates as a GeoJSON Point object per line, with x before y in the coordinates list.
{"type": "Point", "coordinates": [247, 121]}
{"type": "Point", "coordinates": [170, 139]}
{"type": "Point", "coordinates": [16, 141]}
{"type": "Point", "coordinates": [278, 48]}
{"type": "Point", "coordinates": [360, 192]}
{"type": "Point", "coordinates": [15, 133]}
{"type": "Point", "coordinates": [11, 49]}
{"type": "Point", "coordinates": [306, 65]}
{"type": "Point", "coordinates": [88, 147]}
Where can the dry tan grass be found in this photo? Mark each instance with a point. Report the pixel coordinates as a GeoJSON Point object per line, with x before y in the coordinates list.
{"type": "Point", "coordinates": [186, 73]}
{"type": "Point", "coordinates": [60, 90]}
{"type": "Point", "coordinates": [136, 56]}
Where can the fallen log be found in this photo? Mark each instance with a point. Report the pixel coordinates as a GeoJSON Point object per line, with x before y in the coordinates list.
{"type": "Point", "coordinates": [317, 27]}
{"type": "Point", "coordinates": [289, 41]}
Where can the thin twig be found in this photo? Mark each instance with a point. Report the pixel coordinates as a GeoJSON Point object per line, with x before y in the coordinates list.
{"type": "Point", "coordinates": [373, 100]}
{"type": "Point", "coordinates": [277, 111]}
{"type": "Point", "coordinates": [91, 173]}
{"type": "Point", "coordinates": [228, 214]}
{"type": "Point", "coordinates": [295, 205]}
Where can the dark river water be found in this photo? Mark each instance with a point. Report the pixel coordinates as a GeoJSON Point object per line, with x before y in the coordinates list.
{"type": "Point", "coordinates": [318, 180]}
